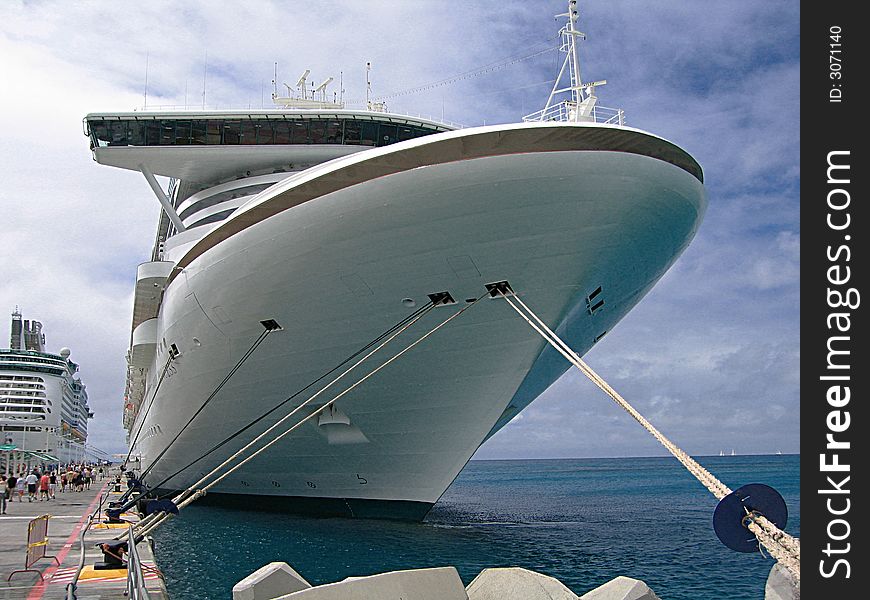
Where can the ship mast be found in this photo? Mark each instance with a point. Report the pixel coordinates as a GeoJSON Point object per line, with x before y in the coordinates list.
{"type": "Point", "coordinates": [581, 105]}
{"type": "Point", "coordinates": [569, 36]}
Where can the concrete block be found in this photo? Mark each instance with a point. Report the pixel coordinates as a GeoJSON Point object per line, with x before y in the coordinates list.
{"type": "Point", "coordinates": [441, 583]}
{"type": "Point", "coordinates": [780, 585]}
{"type": "Point", "coordinates": [515, 582]}
{"type": "Point", "coordinates": [621, 588]}
{"type": "Point", "coordinates": [273, 580]}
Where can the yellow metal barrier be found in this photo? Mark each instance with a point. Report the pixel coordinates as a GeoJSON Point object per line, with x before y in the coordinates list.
{"type": "Point", "coordinates": [37, 542]}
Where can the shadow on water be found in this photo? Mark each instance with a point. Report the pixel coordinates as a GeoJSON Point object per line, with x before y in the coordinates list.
{"type": "Point", "coordinates": [583, 521]}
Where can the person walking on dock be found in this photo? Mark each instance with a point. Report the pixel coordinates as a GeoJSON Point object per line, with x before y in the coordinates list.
{"type": "Point", "coordinates": [10, 487]}
{"type": "Point", "coordinates": [19, 487]}
{"type": "Point", "coordinates": [4, 494]}
{"type": "Point", "coordinates": [31, 480]}
{"type": "Point", "coordinates": [44, 482]}
{"type": "Point", "coordinates": [52, 484]}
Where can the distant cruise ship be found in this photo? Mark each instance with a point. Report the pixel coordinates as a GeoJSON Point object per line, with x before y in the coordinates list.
{"type": "Point", "coordinates": [290, 238]}
{"type": "Point", "coordinates": [43, 404]}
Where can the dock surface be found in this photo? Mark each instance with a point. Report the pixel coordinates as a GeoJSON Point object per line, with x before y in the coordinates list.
{"type": "Point", "coordinates": [69, 515]}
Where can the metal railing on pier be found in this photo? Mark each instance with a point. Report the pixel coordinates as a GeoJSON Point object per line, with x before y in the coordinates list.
{"type": "Point", "coordinates": [136, 589]}
{"type": "Point", "coordinates": [72, 585]}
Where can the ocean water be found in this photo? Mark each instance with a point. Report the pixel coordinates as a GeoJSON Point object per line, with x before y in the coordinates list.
{"type": "Point", "coordinates": [583, 521]}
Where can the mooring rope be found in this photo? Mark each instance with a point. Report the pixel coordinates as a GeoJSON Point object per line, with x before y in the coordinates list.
{"type": "Point", "coordinates": [783, 547]}
{"type": "Point", "coordinates": [289, 398]}
{"type": "Point", "coordinates": [172, 355]}
{"type": "Point", "coordinates": [193, 492]}
{"type": "Point", "coordinates": [263, 335]}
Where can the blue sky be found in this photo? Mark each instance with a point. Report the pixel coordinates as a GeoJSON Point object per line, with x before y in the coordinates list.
{"type": "Point", "coordinates": [711, 355]}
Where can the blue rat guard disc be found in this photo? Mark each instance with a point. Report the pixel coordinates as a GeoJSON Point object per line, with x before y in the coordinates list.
{"type": "Point", "coordinates": [729, 514]}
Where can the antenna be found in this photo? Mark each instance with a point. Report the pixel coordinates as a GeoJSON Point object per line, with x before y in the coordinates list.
{"type": "Point", "coordinates": [368, 83]}
{"type": "Point", "coordinates": [146, 81]}
{"type": "Point", "coordinates": [204, 71]}
{"type": "Point", "coordinates": [275, 82]}
{"type": "Point", "coordinates": [572, 32]}
{"type": "Point", "coordinates": [341, 87]}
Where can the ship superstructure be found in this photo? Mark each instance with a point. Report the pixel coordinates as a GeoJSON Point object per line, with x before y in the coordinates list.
{"type": "Point", "coordinates": [324, 226]}
{"type": "Point", "coordinates": [44, 408]}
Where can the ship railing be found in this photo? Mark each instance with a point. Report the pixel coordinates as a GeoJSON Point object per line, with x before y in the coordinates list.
{"type": "Point", "coordinates": [257, 110]}
{"type": "Point", "coordinates": [565, 112]}
{"type": "Point", "coordinates": [136, 589]}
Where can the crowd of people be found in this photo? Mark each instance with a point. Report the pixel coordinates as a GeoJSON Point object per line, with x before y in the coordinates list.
{"type": "Point", "coordinates": [42, 485]}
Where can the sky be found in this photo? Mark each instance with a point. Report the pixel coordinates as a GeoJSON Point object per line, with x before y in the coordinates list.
{"type": "Point", "coordinates": [710, 355]}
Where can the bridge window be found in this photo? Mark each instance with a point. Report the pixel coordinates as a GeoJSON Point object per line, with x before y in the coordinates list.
{"type": "Point", "coordinates": [198, 131]}
{"type": "Point", "coordinates": [232, 132]}
{"type": "Point", "coordinates": [135, 133]}
{"type": "Point", "coordinates": [182, 133]}
{"type": "Point", "coordinates": [369, 134]}
{"type": "Point", "coordinates": [214, 132]}
{"type": "Point", "coordinates": [152, 133]}
{"type": "Point", "coordinates": [281, 132]}
{"type": "Point", "coordinates": [387, 135]}
{"type": "Point", "coordinates": [317, 132]}
{"type": "Point", "coordinates": [249, 132]}
{"type": "Point", "coordinates": [138, 131]}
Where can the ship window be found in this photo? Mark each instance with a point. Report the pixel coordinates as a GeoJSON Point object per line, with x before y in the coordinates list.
{"type": "Point", "coordinates": [99, 132]}
{"type": "Point", "coordinates": [406, 133]}
{"type": "Point", "coordinates": [333, 132]}
{"type": "Point", "coordinates": [369, 134]}
{"type": "Point", "coordinates": [152, 133]}
{"type": "Point", "coordinates": [198, 131]}
{"type": "Point", "coordinates": [135, 133]}
{"type": "Point", "coordinates": [264, 132]}
{"type": "Point", "coordinates": [214, 132]}
{"type": "Point", "coordinates": [249, 132]}
{"type": "Point", "coordinates": [300, 131]}
{"type": "Point", "coordinates": [167, 133]}
{"type": "Point", "coordinates": [118, 133]}
{"type": "Point", "coordinates": [387, 134]}
{"type": "Point", "coordinates": [282, 132]}
{"type": "Point", "coordinates": [352, 132]}
{"type": "Point", "coordinates": [232, 132]}
{"type": "Point", "coordinates": [317, 132]}
{"type": "Point", "coordinates": [182, 132]}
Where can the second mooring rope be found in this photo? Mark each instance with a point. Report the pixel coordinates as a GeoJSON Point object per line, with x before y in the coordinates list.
{"type": "Point", "coordinates": [783, 547]}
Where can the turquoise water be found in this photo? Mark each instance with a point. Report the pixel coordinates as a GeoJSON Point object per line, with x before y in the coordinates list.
{"type": "Point", "coordinates": [583, 521]}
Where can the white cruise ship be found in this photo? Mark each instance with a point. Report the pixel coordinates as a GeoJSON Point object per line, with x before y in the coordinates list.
{"type": "Point", "coordinates": [291, 238]}
{"type": "Point", "coordinates": [44, 408]}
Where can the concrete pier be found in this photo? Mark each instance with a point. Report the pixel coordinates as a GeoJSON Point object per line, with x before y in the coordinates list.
{"type": "Point", "coordinates": [69, 513]}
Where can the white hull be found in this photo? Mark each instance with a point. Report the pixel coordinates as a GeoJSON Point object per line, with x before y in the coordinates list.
{"type": "Point", "coordinates": [334, 271]}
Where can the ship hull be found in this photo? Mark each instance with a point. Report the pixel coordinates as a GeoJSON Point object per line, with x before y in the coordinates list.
{"type": "Point", "coordinates": [336, 272]}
